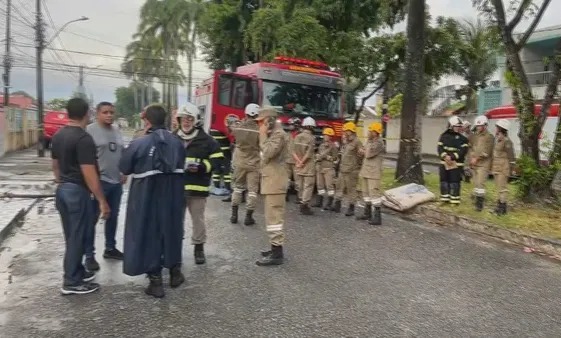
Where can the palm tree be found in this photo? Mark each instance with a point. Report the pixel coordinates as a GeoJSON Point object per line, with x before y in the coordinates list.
{"type": "Point", "coordinates": [478, 44]}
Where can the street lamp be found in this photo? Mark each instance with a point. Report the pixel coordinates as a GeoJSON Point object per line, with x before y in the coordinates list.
{"type": "Point", "coordinates": [40, 46]}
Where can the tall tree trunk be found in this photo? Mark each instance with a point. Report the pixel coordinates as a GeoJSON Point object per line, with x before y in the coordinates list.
{"type": "Point", "coordinates": [409, 168]}
{"type": "Point", "coordinates": [551, 93]}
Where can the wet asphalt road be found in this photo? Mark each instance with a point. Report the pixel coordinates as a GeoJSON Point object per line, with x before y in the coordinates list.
{"type": "Point", "coordinates": [342, 278]}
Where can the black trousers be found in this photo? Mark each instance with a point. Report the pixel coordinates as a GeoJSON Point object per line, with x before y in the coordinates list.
{"type": "Point", "coordinates": [450, 184]}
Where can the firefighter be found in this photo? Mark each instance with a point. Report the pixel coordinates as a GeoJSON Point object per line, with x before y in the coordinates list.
{"type": "Point", "coordinates": [274, 179]}
{"type": "Point", "coordinates": [202, 153]}
{"type": "Point", "coordinates": [371, 174]}
{"type": "Point", "coordinates": [303, 154]}
{"type": "Point", "coordinates": [452, 149]}
{"type": "Point", "coordinates": [294, 125]}
{"type": "Point", "coordinates": [480, 159]}
{"type": "Point", "coordinates": [348, 170]}
{"type": "Point", "coordinates": [503, 162]}
{"type": "Point", "coordinates": [467, 132]}
{"type": "Point", "coordinates": [326, 159]}
{"type": "Point", "coordinates": [222, 172]}
{"type": "Point", "coordinates": [246, 164]}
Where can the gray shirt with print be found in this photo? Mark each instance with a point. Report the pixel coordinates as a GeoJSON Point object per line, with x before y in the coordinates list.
{"type": "Point", "coordinates": [109, 143]}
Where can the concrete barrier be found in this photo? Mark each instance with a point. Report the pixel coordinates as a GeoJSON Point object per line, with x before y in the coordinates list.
{"type": "Point", "coordinates": [18, 129]}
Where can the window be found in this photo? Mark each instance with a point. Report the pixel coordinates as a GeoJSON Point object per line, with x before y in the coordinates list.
{"type": "Point", "coordinates": [225, 90]}
{"type": "Point", "coordinates": [302, 99]}
{"type": "Point", "coordinates": [240, 94]}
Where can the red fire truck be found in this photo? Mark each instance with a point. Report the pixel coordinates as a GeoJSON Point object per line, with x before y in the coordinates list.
{"type": "Point", "coordinates": [296, 87]}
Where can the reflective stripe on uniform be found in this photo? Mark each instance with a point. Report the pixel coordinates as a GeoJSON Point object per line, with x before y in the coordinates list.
{"type": "Point", "coordinates": [274, 227]}
{"type": "Point", "coordinates": [218, 154]}
{"type": "Point", "coordinates": [246, 129]}
{"type": "Point", "coordinates": [155, 172]}
{"type": "Point", "coordinates": [207, 165]}
{"type": "Point", "coordinates": [479, 192]}
{"type": "Point", "coordinates": [321, 192]}
{"type": "Point", "coordinates": [376, 202]}
{"type": "Point", "coordinates": [194, 187]}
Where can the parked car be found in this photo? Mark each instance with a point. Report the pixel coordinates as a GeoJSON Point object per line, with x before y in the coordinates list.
{"type": "Point", "coordinates": [53, 121]}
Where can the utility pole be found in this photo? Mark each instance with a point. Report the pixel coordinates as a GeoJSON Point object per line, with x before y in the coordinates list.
{"type": "Point", "coordinates": [40, 45]}
{"type": "Point", "coordinates": [81, 76]}
{"type": "Point", "coordinates": [7, 56]}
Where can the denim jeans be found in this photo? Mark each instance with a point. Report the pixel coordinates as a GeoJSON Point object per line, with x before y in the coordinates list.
{"type": "Point", "coordinates": [74, 205]}
{"type": "Point", "coordinates": [113, 193]}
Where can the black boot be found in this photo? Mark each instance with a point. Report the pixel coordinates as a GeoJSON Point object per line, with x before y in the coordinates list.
{"type": "Point", "coordinates": [319, 202]}
{"type": "Point", "coordinates": [351, 210]}
{"type": "Point", "coordinates": [234, 217]}
{"type": "Point", "coordinates": [176, 277]}
{"type": "Point", "coordinates": [376, 217]}
{"type": "Point", "coordinates": [497, 210]}
{"type": "Point", "coordinates": [479, 201]}
{"type": "Point", "coordinates": [275, 258]}
{"type": "Point", "coordinates": [503, 208]}
{"type": "Point", "coordinates": [249, 218]}
{"type": "Point", "coordinates": [336, 206]}
{"type": "Point", "coordinates": [200, 254]}
{"type": "Point", "coordinates": [305, 209]}
{"type": "Point", "coordinates": [444, 192]}
{"type": "Point", "coordinates": [298, 200]}
{"type": "Point", "coordinates": [367, 213]}
{"type": "Point", "coordinates": [329, 203]}
{"type": "Point", "coordinates": [156, 287]}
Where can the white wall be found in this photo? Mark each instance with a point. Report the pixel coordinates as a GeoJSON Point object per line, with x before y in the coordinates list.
{"type": "Point", "coordinates": [431, 129]}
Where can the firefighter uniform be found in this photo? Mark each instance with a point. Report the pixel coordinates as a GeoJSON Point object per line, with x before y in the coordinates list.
{"type": "Point", "coordinates": [481, 151]}
{"type": "Point", "coordinates": [246, 168]}
{"type": "Point", "coordinates": [503, 161]}
{"type": "Point", "coordinates": [202, 155]}
{"type": "Point", "coordinates": [223, 171]}
{"type": "Point", "coordinates": [294, 124]}
{"type": "Point", "coordinates": [371, 174]}
{"type": "Point", "coordinates": [303, 152]}
{"type": "Point", "coordinates": [326, 158]}
{"type": "Point", "coordinates": [274, 181]}
{"type": "Point", "coordinates": [349, 168]}
{"type": "Point", "coordinates": [455, 145]}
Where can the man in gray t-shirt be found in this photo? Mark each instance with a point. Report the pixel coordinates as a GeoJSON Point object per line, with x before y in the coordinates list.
{"type": "Point", "coordinates": [109, 144]}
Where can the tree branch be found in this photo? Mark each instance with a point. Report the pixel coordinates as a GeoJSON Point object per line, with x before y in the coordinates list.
{"type": "Point", "coordinates": [532, 26]}
{"type": "Point", "coordinates": [523, 7]}
{"type": "Point", "coordinates": [364, 99]}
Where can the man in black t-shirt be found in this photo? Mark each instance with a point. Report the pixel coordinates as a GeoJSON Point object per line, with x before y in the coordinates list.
{"type": "Point", "coordinates": [75, 169]}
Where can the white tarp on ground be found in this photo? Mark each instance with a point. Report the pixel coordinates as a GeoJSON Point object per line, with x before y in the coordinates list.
{"type": "Point", "coordinates": [406, 197]}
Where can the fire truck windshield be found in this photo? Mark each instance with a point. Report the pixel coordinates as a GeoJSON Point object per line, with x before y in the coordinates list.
{"type": "Point", "coordinates": [302, 99]}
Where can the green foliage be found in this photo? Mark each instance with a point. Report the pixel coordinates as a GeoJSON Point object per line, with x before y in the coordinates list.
{"type": "Point", "coordinates": [395, 105]}
{"type": "Point", "coordinates": [57, 104]}
{"type": "Point", "coordinates": [127, 105]}
{"type": "Point", "coordinates": [534, 179]}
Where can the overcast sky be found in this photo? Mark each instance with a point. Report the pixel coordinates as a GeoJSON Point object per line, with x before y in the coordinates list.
{"type": "Point", "coordinates": [109, 28]}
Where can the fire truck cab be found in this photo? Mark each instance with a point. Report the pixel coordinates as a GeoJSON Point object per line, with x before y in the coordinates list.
{"type": "Point", "coordinates": [295, 87]}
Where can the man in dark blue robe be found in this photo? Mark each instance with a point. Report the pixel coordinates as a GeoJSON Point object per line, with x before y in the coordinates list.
{"type": "Point", "coordinates": [155, 210]}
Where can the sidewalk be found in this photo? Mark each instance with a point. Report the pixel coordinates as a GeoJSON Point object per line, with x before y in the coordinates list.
{"type": "Point", "coordinates": [24, 178]}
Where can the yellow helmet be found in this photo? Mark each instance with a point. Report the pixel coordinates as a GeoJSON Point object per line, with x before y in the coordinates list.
{"type": "Point", "coordinates": [328, 131]}
{"type": "Point", "coordinates": [349, 126]}
{"type": "Point", "coordinates": [376, 127]}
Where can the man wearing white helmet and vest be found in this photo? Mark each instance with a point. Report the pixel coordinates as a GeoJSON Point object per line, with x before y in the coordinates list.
{"type": "Point", "coordinates": [452, 149]}
{"type": "Point", "coordinates": [303, 154]}
{"type": "Point", "coordinates": [503, 162]}
{"type": "Point", "coordinates": [480, 155]}
{"type": "Point", "coordinates": [246, 164]}
{"type": "Point", "coordinates": [202, 155]}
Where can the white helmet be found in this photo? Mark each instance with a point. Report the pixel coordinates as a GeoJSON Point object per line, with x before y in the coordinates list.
{"type": "Point", "coordinates": [189, 110]}
{"type": "Point", "coordinates": [455, 121]}
{"type": "Point", "coordinates": [309, 122]}
{"type": "Point", "coordinates": [481, 120]}
{"type": "Point", "coordinates": [466, 124]}
{"type": "Point", "coordinates": [252, 110]}
{"type": "Point", "coordinates": [503, 123]}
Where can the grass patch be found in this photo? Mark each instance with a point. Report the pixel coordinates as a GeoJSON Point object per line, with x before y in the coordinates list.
{"type": "Point", "coordinates": [529, 219]}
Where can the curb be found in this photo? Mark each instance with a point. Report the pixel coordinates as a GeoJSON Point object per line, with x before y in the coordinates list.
{"type": "Point", "coordinates": [17, 221]}
{"type": "Point", "coordinates": [548, 246]}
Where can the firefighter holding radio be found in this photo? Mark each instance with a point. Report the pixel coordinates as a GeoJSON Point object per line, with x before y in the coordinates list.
{"type": "Point", "coordinates": [273, 143]}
